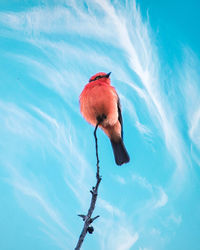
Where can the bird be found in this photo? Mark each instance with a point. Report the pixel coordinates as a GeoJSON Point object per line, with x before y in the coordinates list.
{"type": "Point", "coordinates": [100, 103]}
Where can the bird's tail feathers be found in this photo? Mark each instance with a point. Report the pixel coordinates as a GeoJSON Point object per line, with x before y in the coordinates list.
{"type": "Point", "coordinates": [120, 153]}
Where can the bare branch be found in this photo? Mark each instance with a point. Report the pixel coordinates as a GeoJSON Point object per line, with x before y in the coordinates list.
{"type": "Point", "coordinates": [87, 218]}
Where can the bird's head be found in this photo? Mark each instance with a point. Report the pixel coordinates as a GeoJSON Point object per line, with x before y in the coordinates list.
{"type": "Point", "coordinates": [101, 76]}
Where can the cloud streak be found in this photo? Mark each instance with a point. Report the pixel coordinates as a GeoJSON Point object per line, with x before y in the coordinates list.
{"type": "Point", "coordinates": [159, 196]}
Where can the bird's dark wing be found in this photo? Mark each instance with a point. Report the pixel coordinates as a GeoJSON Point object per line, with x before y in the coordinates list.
{"type": "Point", "coordinates": [120, 116]}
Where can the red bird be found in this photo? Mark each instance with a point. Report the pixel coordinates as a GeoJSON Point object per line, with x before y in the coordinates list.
{"type": "Point", "coordinates": [99, 102]}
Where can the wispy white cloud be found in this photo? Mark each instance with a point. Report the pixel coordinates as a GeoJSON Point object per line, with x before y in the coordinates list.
{"type": "Point", "coordinates": [158, 199]}
{"type": "Point", "coordinates": [120, 179]}
{"type": "Point", "coordinates": [177, 219]}
{"type": "Point", "coordinates": [17, 121]}
{"type": "Point", "coordinates": [126, 243]}
{"type": "Point", "coordinates": [191, 91]}
{"type": "Point", "coordinates": [194, 129]}
{"type": "Point", "coordinates": [162, 200]}
{"type": "Point", "coordinates": [142, 182]}
{"type": "Point", "coordinates": [143, 129]}
{"type": "Point", "coordinates": [117, 235]}
{"type": "Point", "coordinates": [145, 248]}
{"type": "Point", "coordinates": [110, 208]}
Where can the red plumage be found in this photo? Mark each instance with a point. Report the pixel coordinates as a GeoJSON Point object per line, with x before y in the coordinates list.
{"type": "Point", "coordinates": [98, 99]}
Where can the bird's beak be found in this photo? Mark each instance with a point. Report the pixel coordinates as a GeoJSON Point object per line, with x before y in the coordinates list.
{"type": "Point", "coordinates": [107, 76]}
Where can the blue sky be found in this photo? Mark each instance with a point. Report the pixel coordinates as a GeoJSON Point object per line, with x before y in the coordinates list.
{"type": "Point", "coordinates": [49, 50]}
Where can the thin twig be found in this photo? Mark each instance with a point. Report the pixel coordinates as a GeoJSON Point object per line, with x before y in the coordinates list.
{"type": "Point", "coordinates": [87, 218]}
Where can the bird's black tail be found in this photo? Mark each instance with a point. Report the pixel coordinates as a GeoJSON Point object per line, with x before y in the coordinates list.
{"type": "Point", "coordinates": [120, 153]}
